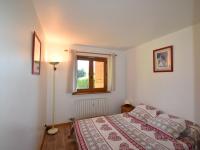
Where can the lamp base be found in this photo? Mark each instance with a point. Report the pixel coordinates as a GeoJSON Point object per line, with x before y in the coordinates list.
{"type": "Point", "coordinates": [52, 131]}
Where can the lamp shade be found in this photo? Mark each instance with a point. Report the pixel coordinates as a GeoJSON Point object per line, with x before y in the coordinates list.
{"type": "Point", "coordinates": [55, 55]}
{"type": "Point", "coordinates": [55, 58]}
{"type": "Point", "coordinates": [127, 101]}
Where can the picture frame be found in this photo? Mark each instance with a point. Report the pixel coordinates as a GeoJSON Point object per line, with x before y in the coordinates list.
{"type": "Point", "coordinates": [36, 54]}
{"type": "Point", "coordinates": [163, 59]}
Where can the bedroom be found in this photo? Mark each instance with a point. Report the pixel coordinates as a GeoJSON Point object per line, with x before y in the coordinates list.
{"type": "Point", "coordinates": [129, 29]}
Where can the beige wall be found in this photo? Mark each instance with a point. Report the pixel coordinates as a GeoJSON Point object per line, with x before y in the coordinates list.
{"type": "Point", "coordinates": [22, 95]}
{"type": "Point", "coordinates": [171, 92]}
{"type": "Point", "coordinates": [196, 36]}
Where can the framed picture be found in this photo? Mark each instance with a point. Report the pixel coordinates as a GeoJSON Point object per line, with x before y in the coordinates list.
{"type": "Point", "coordinates": [36, 54]}
{"type": "Point", "coordinates": [163, 59]}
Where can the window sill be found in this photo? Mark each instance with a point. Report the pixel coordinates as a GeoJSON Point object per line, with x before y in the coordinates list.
{"type": "Point", "coordinates": [84, 93]}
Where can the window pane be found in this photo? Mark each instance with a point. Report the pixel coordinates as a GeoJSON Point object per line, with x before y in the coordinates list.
{"type": "Point", "coordinates": [82, 74]}
{"type": "Point", "coordinates": [98, 74]}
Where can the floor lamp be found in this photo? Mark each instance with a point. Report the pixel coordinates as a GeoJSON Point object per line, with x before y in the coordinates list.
{"type": "Point", "coordinates": [53, 130]}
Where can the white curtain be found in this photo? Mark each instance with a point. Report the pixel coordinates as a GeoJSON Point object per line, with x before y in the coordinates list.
{"type": "Point", "coordinates": [111, 72]}
{"type": "Point", "coordinates": [71, 73]}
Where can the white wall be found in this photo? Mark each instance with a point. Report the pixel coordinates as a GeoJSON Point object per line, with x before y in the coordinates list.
{"type": "Point", "coordinates": [196, 36]}
{"type": "Point", "coordinates": [65, 102]}
{"type": "Point", "coordinates": [22, 95]}
{"type": "Point", "coordinates": [171, 92]}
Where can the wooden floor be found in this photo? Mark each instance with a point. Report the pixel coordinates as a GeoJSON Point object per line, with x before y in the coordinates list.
{"type": "Point", "coordinates": [60, 141]}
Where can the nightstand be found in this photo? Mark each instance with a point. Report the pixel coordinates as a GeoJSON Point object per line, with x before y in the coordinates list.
{"type": "Point", "coordinates": [126, 108]}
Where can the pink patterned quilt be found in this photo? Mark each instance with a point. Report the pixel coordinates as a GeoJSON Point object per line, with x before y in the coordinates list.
{"type": "Point", "coordinates": [124, 132]}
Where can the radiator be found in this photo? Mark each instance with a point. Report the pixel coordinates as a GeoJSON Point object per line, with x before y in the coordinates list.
{"type": "Point", "coordinates": [87, 108]}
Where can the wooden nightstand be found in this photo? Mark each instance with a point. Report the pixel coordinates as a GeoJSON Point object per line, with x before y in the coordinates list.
{"type": "Point", "coordinates": [126, 108]}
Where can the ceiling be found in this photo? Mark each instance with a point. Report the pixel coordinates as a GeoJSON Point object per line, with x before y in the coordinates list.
{"type": "Point", "coordinates": [118, 24]}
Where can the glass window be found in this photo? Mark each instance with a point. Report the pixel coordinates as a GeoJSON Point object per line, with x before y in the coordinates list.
{"type": "Point", "coordinates": [98, 68]}
{"type": "Point", "coordinates": [91, 74]}
{"type": "Point", "coordinates": [82, 74]}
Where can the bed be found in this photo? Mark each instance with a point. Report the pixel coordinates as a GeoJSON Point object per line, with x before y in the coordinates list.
{"type": "Point", "coordinates": [133, 131]}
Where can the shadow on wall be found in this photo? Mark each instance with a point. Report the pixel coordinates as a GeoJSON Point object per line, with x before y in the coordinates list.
{"type": "Point", "coordinates": [196, 36]}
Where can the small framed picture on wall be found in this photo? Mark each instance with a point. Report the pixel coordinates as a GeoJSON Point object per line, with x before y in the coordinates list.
{"type": "Point", "coordinates": [163, 59]}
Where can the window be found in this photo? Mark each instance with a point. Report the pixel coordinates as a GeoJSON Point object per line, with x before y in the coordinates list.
{"type": "Point", "coordinates": [91, 74]}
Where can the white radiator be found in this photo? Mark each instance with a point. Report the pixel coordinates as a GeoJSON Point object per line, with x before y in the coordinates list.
{"type": "Point", "coordinates": [87, 108]}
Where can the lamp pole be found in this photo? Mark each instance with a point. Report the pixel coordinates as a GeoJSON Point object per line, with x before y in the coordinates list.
{"type": "Point", "coordinates": [53, 130]}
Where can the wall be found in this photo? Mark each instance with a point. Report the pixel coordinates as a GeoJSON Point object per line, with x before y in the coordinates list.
{"type": "Point", "coordinates": [196, 36]}
{"type": "Point", "coordinates": [65, 101]}
{"type": "Point", "coordinates": [22, 95]}
{"type": "Point", "coordinates": [171, 92]}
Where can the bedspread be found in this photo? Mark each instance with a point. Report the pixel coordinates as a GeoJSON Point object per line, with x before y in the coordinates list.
{"type": "Point", "coordinates": [124, 132]}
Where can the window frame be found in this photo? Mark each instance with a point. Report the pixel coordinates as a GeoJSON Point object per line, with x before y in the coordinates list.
{"type": "Point", "coordinates": [91, 89]}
